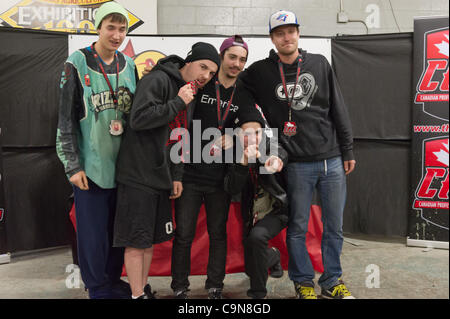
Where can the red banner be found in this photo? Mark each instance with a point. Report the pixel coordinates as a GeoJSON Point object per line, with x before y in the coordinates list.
{"type": "Point", "coordinates": [430, 150]}
{"type": "Point", "coordinates": [162, 253]}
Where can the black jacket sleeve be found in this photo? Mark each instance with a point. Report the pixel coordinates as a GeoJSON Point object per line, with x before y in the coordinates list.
{"type": "Point", "coordinates": [273, 148]}
{"type": "Point", "coordinates": [70, 112]}
{"type": "Point", "coordinates": [340, 117]}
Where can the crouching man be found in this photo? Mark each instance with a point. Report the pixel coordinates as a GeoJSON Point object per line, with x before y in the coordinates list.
{"type": "Point", "coordinates": [263, 202]}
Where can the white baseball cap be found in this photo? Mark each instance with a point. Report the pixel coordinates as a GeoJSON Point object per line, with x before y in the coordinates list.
{"type": "Point", "coordinates": [282, 17]}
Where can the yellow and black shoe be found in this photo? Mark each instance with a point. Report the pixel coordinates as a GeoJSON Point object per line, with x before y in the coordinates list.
{"type": "Point", "coordinates": [339, 291]}
{"type": "Point", "coordinates": [305, 290]}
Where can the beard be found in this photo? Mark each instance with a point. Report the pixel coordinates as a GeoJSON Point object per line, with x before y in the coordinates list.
{"type": "Point", "coordinates": [288, 51]}
{"type": "Point", "coordinates": [232, 75]}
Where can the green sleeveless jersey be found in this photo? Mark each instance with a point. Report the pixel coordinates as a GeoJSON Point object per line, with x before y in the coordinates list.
{"type": "Point", "coordinates": [86, 110]}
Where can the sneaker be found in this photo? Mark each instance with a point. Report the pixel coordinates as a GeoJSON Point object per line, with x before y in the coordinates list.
{"type": "Point", "coordinates": [276, 271]}
{"type": "Point", "coordinates": [121, 290]}
{"type": "Point", "coordinates": [215, 293]}
{"type": "Point", "coordinates": [144, 296]}
{"type": "Point", "coordinates": [252, 296]}
{"type": "Point", "coordinates": [122, 285]}
{"type": "Point", "coordinates": [305, 290]}
{"type": "Point", "coordinates": [181, 294]}
{"type": "Point", "coordinates": [337, 292]}
{"type": "Point", "coordinates": [148, 292]}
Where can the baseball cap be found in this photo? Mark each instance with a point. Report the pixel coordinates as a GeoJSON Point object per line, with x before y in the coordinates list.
{"type": "Point", "coordinates": [108, 8]}
{"type": "Point", "coordinates": [203, 51]}
{"type": "Point", "coordinates": [235, 40]}
{"type": "Point", "coordinates": [281, 18]}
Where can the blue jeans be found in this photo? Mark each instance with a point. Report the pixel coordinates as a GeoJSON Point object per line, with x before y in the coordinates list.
{"type": "Point", "coordinates": [328, 177]}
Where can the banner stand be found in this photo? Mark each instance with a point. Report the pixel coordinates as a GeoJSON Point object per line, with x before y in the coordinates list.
{"type": "Point", "coordinates": [426, 243]}
{"type": "Point", "coordinates": [5, 258]}
{"type": "Point", "coordinates": [429, 216]}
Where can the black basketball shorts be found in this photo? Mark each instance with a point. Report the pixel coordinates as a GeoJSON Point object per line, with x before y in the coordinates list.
{"type": "Point", "coordinates": [143, 218]}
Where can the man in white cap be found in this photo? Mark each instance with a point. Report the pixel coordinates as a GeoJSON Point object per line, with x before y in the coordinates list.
{"type": "Point", "coordinates": [299, 95]}
{"type": "Point", "coordinates": [97, 89]}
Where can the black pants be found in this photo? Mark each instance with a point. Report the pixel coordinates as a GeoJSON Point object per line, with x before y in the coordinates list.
{"type": "Point", "coordinates": [258, 256]}
{"type": "Point", "coordinates": [187, 208]}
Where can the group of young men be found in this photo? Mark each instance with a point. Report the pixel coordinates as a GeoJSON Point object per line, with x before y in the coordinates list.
{"type": "Point", "coordinates": [126, 145]}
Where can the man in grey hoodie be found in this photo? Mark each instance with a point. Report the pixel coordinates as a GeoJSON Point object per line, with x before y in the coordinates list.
{"type": "Point", "coordinates": [144, 174]}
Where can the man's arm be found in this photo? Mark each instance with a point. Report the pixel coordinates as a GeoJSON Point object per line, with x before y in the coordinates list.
{"type": "Point", "coordinates": [176, 171]}
{"type": "Point", "coordinates": [342, 122]}
{"type": "Point", "coordinates": [70, 111]}
{"type": "Point", "coordinates": [150, 108]}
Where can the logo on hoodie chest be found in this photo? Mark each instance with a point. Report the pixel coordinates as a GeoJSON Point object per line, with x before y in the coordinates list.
{"type": "Point", "coordinates": [305, 91]}
{"type": "Point", "coordinates": [104, 101]}
{"type": "Point", "coordinates": [212, 100]}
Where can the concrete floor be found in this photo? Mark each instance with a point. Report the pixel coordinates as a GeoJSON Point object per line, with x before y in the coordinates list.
{"type": "Point", "coordinates": [404, 273]}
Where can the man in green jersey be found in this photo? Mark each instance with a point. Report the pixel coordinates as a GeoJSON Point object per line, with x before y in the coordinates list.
{"type": "Point", "coordinates": [97, 89]}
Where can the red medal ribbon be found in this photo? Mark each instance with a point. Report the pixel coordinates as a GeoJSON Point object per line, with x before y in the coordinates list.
{"type": "Point", "coordinates": [254, 177]}
{"type": "Point", "coordinates": [280, 65]}
{"type": "Point", "coordinates": [100, 64]}
{"type": "Point", "coordinates": [221, 119]}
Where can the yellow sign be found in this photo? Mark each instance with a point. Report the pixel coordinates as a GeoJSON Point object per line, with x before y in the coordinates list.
{"type": "Point", "coordinates": [75, 16]}
{"type": "Point", "coordinates": [143, 60]}
{"type": "Point", "coordinates": [147, 59]}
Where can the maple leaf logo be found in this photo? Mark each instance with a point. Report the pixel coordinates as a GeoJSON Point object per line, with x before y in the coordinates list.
{"type": "Point", "coordinates": [443, 46]}
{"type": "Point", "coordinates": [442, 155]}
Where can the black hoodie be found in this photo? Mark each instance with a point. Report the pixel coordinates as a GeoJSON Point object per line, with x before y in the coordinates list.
{"type": "Point", "coordinates": [212, 174]}
{"type": "Point", "coordinates": [323, 125]}
{"type": "Point", "coordinates": [143, 160]}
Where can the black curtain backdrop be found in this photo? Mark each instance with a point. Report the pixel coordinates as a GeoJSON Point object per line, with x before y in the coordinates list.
{"type": "Point", "coordinates": [378, 195]}
{"type": "Point", "coordinates": [375, 75]}
{"type": "Point", "coordinates": [30, 71]}
{"type": "Point", "coordinates": [36, 190]}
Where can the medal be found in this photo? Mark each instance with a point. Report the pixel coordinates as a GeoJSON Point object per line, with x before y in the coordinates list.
{"type": "Point", "coordinates": [194, 86]}
{"type": "Point", "coordinates": [214, 150]}
{"type": "Point", "coordinates": [290, 128]}
{"type": "Point", "coordinates": [116, 127]}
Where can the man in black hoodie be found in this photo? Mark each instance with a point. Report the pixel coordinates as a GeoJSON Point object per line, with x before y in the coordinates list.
{"type": "Point", "coordinates": [217, 107]}
{"type": "Point", "coordinates": [300, 96]}
{"type": "Point", "coordinates": [144, 175]}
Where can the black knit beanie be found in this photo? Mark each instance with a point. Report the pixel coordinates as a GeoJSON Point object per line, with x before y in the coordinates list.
{"type": "Point", "coordinates": [203, 51]}
{"type": "Point", "coordinates": [251, 115]}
